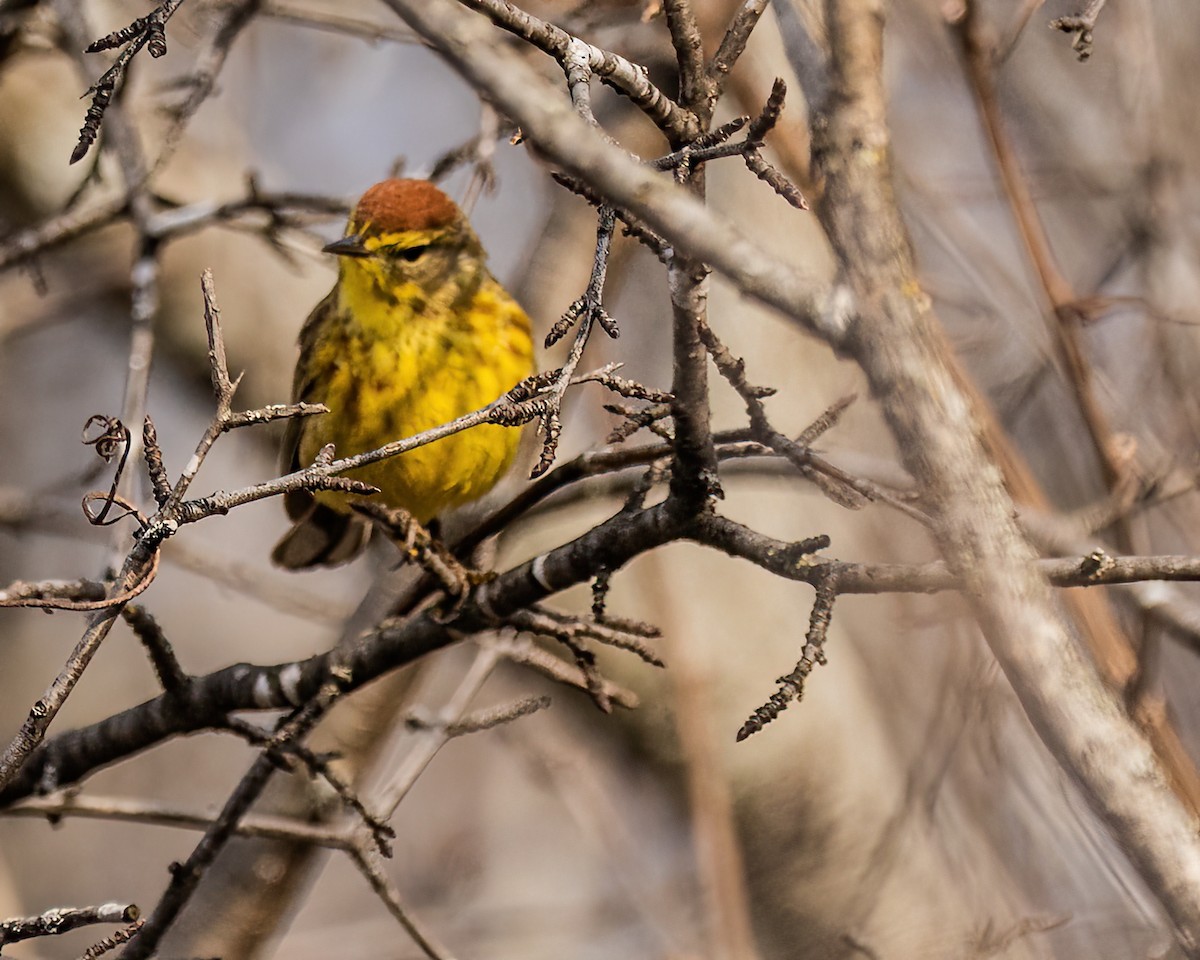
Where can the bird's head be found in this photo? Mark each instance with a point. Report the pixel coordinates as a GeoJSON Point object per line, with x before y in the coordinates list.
{"type": "Point", "coordinates": [406, 235]}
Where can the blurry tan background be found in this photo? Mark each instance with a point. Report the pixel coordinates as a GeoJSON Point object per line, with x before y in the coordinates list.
{"type": "Point", "coordinates": [904, 809]}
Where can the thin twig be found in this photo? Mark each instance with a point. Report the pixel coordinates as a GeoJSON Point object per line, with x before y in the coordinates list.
{"type": "Point", "coordinates": [336, 23]}
{"type": "Point", "coordinates": [628, 78]}
{"type": "Point", "coordinates": [105, 944]}
{"type": "Point", "coordinates": [437, 734]}
{"type": "Point", "coordinates": [736, 37]}
{"type": "Point", "coordinates": [147, 31]}
{"type": "Point", "coordinates": [63, 920]}
{"type": "Point", "coordinates": [791, 686]}
{"type": "Point", "coordinates": [229, 20]}
{"type": "Point", "coordinates": [695, 86]}
{"type": "Point", "coordinates": [1082, 25]}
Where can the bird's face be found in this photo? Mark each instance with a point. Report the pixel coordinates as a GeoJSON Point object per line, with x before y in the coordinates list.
{"type": "Point", "coordinates": [408, 244]}
{"type": "Point", "coordinates": [406, 263]}
{"type": "Point", "coordinates": [408, 252]}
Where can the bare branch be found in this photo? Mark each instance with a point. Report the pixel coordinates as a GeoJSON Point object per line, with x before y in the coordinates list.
{"type": "Point", "coordinates": [735, 39]}
{"type": "Point", "coordinates": [229, 20]}
{"type": "Point", "coordinates": [628, 78]}
{"type": "Point", "coordinates": [556, 131]}
{"type": "Point", "coordinates": [387, 892]}
{"type": "Point", "coordinates": [166, 666]}
{"type": "Point", "coordinates": [105, 944]}
{"type": "Point", "coordinates": [335, 23]}
{"type": "Point", "coordinates": [791, 686]}
{"type": "Point", "coordinates": [18, 247]}
{"type": "Point", "coordinates": [696, 89]}
{"type": "Point", "coordinates": [63, 920]}
{"type": "Point", "coordinates": [893, 340]}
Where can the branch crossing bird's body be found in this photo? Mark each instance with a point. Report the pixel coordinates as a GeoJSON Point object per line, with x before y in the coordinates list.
{"type": "Point", "coordinates": [416, 333]}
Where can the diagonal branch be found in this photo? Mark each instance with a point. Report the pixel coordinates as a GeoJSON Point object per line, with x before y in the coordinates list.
{"type": "Point", "coordinates": [630, 79]}
{"type": "Point", "coordinates": [559, 134]}
{"type": "Point", "coordinates": [205, 702]}
{"type": "Point", "coordinates": [895, 341]}
{"type": "Point", "coordinates": [733, 44]}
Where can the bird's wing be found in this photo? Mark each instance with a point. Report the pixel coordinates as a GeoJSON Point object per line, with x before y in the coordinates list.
{"type": "Point", "coordinates": [306, 388]}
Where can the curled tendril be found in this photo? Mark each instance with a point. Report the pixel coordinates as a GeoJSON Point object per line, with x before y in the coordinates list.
{"type": "Point", "coordinates": [112, 439]}
{"type": "Point", "coordinates": [113, 435]}
{"type": "Point", "coordinates": [109, 500]}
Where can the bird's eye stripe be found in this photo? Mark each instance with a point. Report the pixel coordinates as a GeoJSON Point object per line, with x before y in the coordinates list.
{"type": "Point", "coordinates": [412, 253]}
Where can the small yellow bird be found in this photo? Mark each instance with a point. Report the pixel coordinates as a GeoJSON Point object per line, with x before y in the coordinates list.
{"type": "Point", "coordinates": [415, 333]}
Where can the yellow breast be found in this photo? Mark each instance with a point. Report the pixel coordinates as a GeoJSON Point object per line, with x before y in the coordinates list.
{"type": "Point", "coordinates": [394, 366]}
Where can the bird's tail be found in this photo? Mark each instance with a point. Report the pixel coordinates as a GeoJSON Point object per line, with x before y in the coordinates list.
{"type": "Point", "coordinates": [322, 537]}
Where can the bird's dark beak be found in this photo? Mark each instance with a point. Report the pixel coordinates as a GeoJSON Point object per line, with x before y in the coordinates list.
{"type": "Point", "coordinates": [351, 246]}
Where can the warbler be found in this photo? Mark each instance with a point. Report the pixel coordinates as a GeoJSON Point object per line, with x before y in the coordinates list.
{"type": "Point", "coordinates": [415, 333]}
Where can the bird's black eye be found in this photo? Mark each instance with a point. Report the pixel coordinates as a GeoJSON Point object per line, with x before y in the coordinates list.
{"type": "Point", "coordinates": [412, 254]}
